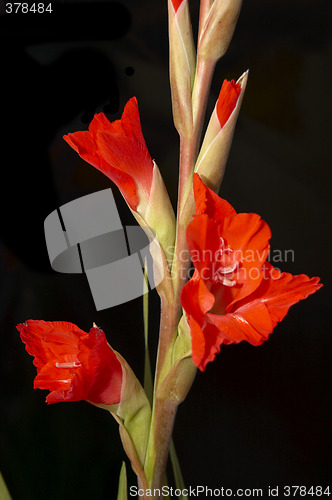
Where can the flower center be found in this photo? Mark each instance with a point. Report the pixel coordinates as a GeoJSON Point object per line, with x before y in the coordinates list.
{"type": "Point", "coordinates": [227, 263]}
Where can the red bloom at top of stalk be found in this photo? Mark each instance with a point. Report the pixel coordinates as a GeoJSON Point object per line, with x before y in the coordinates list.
{"type": "Point", "coordinates": [227, 100]}
{"type": "Point", "coordinates": [234, 294]}
{"type": "Point", "coordinates": [72, 364]}
{"type": "Point", "coordinates": [119, 151]}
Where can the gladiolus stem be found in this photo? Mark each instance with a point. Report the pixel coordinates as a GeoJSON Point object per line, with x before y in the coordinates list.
{"type": "Point", "coordinates": [181, 260]}
{"type": "Point", "coordinates": [161, 433]}
{"type": "Point", "coordinates": [163, 410]}
{"type": "Point", "coordinates": [169, 319]}
{"type": "Point", "coordinates": [164, 404]}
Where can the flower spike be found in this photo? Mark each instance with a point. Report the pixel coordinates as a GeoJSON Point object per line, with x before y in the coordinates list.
{"type": "Point", "coordinates": [234, 294]}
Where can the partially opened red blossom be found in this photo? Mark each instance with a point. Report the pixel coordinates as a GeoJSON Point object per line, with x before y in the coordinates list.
{"type": "Point", "coordinates": [176, 4]}
{"type": "Point", "coordinates": [229, 94]}
{"type": "Point", "coordinates": [72, 364]}
{"type": "Point", "coordinates": [234, 294]}
{"type": "Point", "coordinates": [119, 151]}
{"type": "Point", "coordinates": [212, 159]}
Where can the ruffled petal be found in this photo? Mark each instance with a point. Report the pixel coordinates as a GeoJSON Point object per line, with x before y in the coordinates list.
{"type": "Point", "coordinates": [208, 202]}
{"type": "Point", "coordinates": [254, 318]}
{"type": "Point", "coordinates": [279, 291]}
{"type": "Point", "coordinates": [250, 322]}
{"type": "Point", "coordinates": [64, 338]}
{"type": "Point", "coordinates": [119, 151]}
{"type": "Point", "coordinates": [105, 369]}
{"type": "Point", "coordinates": [248, 236]}
{"type": "Point", "coordinates": [205, 343]}
{"type": "Point", "coordinates": [196, 299]}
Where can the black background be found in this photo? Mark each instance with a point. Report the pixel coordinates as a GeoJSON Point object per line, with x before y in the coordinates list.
{"type": "Point", "coordinates": [257, 416]}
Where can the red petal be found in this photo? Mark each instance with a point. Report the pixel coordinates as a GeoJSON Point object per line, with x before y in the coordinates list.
{"type": "Point", "coordinates": [251, 323]}
{"type": "Point", "coordinates": [131, 122]}
{"type": "Point", "coordinates": [254, 318]}
{"type": "Point", "coordinates": [227, 100]}
{"type": "Point", "coordinates": [64, 340]}
{"type": "Point", "coordinates": [203, 243]}
{"type": "Point", "coordinates": [282, 290]}
{"type": "Point", "coordinates": [196, 299]}
{"type": "Point", "coordinates": [248, 235]}
{"type": "Point", "coordinates": [205, 343]}
{"type": "Point", "coordinates": [208, 202]}
{"type": "Point", "coordinates": [105, 368]}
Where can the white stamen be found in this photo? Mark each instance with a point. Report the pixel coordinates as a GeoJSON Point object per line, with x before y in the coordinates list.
{"type": "Point", "coordinates": [227, 269]}
{"type": "Point", "coordinates": [220, 275]}
{"type": "Point", "coordinates": [74, 364]}
{"type": "Point", "coordinates": [226, 281]}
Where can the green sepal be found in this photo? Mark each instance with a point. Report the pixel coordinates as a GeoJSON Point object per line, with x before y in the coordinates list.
{"type": "Point", "coordinates": [133, 414]}
{"type": "Point", "coordinates": [134, 409]}
{"type": "Point", "coordinates": [182, 344]}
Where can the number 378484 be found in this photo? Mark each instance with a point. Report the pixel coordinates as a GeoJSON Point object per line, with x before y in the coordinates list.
{"type": "Point", "coordinates": [25, 8]}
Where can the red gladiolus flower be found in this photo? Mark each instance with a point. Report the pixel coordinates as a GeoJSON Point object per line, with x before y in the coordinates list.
{"type": "Point", "coordinates": [72, 364]}
{"type": "Point", "coordinates": [118, 149]}
{"type": "Point", "coordinates": [234, 294]}
{"type": "Point", "coordinates": [227, 100]}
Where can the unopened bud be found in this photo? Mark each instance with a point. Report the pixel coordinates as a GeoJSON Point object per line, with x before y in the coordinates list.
{"type": "Point", "coordinates": [218, 28]}
{"type": "Point", "coordinates": [182, 64]}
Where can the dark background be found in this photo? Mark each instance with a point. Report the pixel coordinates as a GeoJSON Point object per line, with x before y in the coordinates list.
{"type": "Point", "coordinates": [257, 416]}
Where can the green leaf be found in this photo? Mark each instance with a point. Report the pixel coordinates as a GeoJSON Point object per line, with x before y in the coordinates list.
{"type": "Point", "coordinates": [122, 490]}
{"type": "Point", "coordinates": [179, 483]}
{"type": "Point", "coordinates": [4, 493]}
